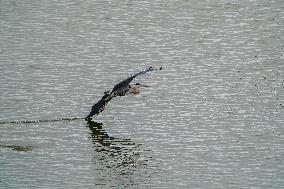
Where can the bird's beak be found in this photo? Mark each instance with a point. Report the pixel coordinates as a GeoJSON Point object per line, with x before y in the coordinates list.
{"type": "Point", "coordinates": [144, 85]}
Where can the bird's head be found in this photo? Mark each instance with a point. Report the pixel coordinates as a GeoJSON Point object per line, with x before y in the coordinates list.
{"type": "Point", "coordinates": [135, 85]}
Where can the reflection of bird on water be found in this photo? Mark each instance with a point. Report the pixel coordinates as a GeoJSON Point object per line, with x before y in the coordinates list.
{"type": "Point", "coordinates": [123, 152]}
{"type": "Point", "coordinates": [107, 143]}
{"type": "Point", "coordinates": [98, 134]}
{"type": "Point", "coordinates": [121, 89]}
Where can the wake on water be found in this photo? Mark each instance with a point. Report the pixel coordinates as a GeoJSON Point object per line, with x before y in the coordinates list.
{"type": "Point", "coordinates": [97, 108]}
{"type": "Point", "coordinates": [41, 121]}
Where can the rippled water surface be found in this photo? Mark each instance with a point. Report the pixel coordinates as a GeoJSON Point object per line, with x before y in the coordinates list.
{"type": "Point", "coordinates": [212, 118]}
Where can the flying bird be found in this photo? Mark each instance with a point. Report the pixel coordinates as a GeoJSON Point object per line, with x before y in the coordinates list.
{"type": "Point", "coordinates": [123, 88]}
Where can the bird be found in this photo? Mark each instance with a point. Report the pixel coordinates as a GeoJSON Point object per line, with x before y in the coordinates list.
{"type": "Point", "coordinates": [123, 88]}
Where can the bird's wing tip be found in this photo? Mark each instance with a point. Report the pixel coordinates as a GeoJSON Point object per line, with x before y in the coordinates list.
{"type": "Point", "coordinates": [152, 69]}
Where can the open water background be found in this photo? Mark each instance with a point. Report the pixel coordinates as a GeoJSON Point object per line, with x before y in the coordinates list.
{"type": "Point", "coordinates": [212, 118]}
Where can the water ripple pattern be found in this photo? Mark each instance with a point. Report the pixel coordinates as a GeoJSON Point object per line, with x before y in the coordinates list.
{"type": "Point", "coordinates": [212, 118]}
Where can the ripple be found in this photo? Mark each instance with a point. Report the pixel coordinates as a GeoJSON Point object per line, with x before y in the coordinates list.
{"type": "Point", "coordinates": [212, 118]}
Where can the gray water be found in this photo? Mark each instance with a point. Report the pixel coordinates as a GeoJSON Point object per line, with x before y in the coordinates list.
{"type": "Point", "coordinates": [212, 118]}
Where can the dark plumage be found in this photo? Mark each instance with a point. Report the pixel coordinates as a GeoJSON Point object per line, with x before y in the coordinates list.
{"type": "Point", "coordinates": [121, 89]}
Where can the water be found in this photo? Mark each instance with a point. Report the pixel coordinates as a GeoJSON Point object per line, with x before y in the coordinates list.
{"type": "Point", "coordinates": [212, 118]}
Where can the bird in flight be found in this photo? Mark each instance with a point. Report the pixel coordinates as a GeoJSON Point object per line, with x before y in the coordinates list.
{"type": "Point", "coordinates": [123, 88]}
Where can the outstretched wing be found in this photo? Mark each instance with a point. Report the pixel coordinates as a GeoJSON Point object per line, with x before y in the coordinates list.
{"type": "Point", "coordinates": [126, 82]}
{"type": "Point", "coordinates": [100, 105]}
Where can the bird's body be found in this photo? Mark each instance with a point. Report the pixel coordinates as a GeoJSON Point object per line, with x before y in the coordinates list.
{"type": "Point", "coordinates": [129, 89]}
{"type": "Point", "coordinates": [121, 89]}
